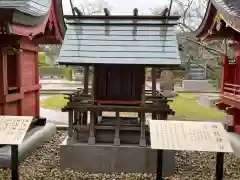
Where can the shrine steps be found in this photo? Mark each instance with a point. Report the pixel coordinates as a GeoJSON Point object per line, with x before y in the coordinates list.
{"type": "Point", "coordinates": [34, 139]}
{"type": "Point", "coordinates": [107, 158]}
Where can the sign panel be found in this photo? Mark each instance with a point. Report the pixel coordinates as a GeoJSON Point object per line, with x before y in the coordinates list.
{"type": "Point", "coordinates": [189, 136]}
{"type": "Point", "coordinates": [13, 129]}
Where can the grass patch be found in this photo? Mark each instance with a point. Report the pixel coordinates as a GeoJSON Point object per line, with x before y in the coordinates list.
{"type": "Point", "coordinates": [190, 96]}
{"type": "Point", "coordinates": [54, 102]}
{"type": "Point", "coordinates": [184, 105]}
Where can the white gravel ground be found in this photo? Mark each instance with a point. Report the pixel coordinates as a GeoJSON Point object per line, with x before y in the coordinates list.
{"type": "Point", "coordinates": [44, 165]}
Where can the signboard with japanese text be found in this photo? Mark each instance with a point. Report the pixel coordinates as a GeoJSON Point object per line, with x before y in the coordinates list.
{"type": "Point", "coordinates": [13, 129]}
{"type": "Point", "coordinates": [189, 136]}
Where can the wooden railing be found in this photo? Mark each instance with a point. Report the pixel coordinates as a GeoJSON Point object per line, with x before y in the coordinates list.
{"type": "Point", "coordinates": [232, 88]}
{"type": "Point", "coordinates": [80, 103]}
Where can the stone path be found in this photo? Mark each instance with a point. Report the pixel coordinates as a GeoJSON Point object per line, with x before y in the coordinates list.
{"type": "Point", "coordinates": [54, 116]}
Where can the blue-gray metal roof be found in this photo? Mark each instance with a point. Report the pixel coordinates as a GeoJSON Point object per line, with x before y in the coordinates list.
{"type": "Point", "coordinates": [32, 7]}
{"type": "Point", "coordinates": [120, 41]}
{"type": "Point", "coordinates": [27, 12]}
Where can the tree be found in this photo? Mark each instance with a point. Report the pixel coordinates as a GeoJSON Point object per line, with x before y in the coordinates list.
{"type": "Point", "coordinates": [42, 59]}
{"type": "Point", "coordinates": [51, 53]}
{"type": "Point", "coordinates": [88, 8]}
{"type": "Point", "coordinates": [192, 13]}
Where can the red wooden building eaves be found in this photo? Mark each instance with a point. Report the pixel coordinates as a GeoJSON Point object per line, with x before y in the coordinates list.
{"type": "Point", "coordinates": [222, 21]}
{"type": "Point", "coordinates": [24, 26]}
{"type": "Point", "coordinates": [54, 22]}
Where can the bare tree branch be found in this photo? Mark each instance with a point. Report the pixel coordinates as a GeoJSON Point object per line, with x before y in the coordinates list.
{"type": "Point", "coordinates": [185, 27]}
{"type": "Point", "coordinates": [203, 45]}
{"type": "Point", "coordinates": [89, 8]}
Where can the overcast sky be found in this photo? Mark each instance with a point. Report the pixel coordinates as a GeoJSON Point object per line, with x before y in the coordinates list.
{"type": "Point", "coordinates": [122, 6]}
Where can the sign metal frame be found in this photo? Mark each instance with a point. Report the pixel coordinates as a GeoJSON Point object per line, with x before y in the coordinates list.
{"type": "Point", "coordinates": [12, 132]}
{"type": "Point", "coordinates": [181, 135]}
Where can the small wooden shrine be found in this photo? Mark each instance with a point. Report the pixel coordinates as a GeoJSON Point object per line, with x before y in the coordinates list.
{"type": "Point", "coordinates": [24, 24]}
{"type": "Point", "coordinates": [118, 49]}
{"type": "Point", "coordinates": [222, 21]}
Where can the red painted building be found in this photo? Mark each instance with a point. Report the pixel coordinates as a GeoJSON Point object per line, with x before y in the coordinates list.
{"type": "Point", "coordinates": [222, 21]}
{"type": "Point", "coordinates": [22, 28]}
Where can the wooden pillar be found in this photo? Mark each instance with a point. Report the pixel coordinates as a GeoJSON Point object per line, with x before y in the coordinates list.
{"type": "Point", "coordinates": [70, 124]}
{"type": "Point", "coordinates": [2, 81]}
{"type": "Point", "coordinates": [162, 116]}
{"type": "Point", "coordinates": [117, 130]}
{"type": "Point", "coordinates": [86, 79]}
{"type": "Point", "coordinates": [154, 87]}
{"type": "Point", "coordinates": [142, 141]}
{"type": "Point", "coordinates": [86, 83]}
{"type": "Point", "coordinates": [91, 138]}
{"type": "Point", "coordinates": [97, 114]}
{"type": "Point", "coordinates": [225, 66]}
{"type": "Point", "coordinates": [4, 74]}
{"type": "Point", "coordinates": [37, 82]}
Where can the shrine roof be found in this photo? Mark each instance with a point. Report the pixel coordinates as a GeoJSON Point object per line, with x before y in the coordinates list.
{"type": "Point", "coordinates": [32, 7]}
{"type": "Point", "coordinates": [149, 40]}
{"type": "Point", "coordinates": [35, 11]}
{"type": "Point", "coordinates": [31, 17]}
{"type": "Point", "coordinates": [227, 10]}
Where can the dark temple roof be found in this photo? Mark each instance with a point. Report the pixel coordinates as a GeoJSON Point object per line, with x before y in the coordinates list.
{"type": "Point", "coordinates": [147, 40]}
{"type": "Point", "coordinates": [229, 11]}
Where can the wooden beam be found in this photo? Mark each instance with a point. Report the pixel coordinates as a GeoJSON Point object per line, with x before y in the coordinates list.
{"type": "Point", "coordinates": [72, 8]}
{"type": "Point", "coordinates": [135, 12]}
{"type": "Point", "coordinates": [106, 11]}
{"type": "Point", "coordinates": [154, 87]}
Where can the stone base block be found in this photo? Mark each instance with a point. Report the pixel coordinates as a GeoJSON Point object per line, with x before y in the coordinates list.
{"type": "Point", "coordinates": [107, 158]}
{"type": "Point", "coordinates": [33, 140]}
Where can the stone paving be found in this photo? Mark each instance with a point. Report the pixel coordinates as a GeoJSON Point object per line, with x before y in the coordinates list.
{"type": "Point", "coordinates": [54, 116]}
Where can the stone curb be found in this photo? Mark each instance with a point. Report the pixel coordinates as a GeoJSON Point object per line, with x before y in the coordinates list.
{"type": "Point", "coordinates": [62, 127]}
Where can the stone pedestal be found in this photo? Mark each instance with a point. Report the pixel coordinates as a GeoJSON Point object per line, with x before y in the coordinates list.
{"type": "Point", "coordinates": [107, 158]}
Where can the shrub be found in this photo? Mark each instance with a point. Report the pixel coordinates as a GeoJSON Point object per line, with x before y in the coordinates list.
{"type": "Point", "coordinates": [66, 73]}
{"type": "Point", "coordinates": [42, 59]}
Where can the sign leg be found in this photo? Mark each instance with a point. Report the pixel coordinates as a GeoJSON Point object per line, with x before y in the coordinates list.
{"type": "Point", "coordinates": [14, 162]}
{"type": "Point", "coordinates": [219, 166]}
{"type": "Point", "coordinates": [159, 164]}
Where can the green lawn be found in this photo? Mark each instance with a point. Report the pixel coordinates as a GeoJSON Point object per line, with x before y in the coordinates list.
{"type": "Point", "coordinates": [184, 105]}
{"type": "Point", "coordinates": [54, 102]}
